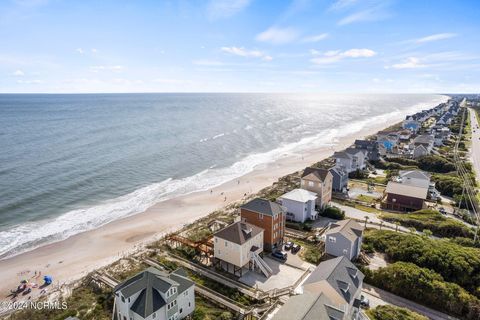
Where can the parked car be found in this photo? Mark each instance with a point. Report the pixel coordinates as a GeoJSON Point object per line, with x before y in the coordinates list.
{"type": "Point", "coordinates": [282, 255]}
{"type": "Point", "coordinates": [296, 248]}
{"type": "Point", "coordinates": [288, 245]}
{"type": "Point", "coordinates": [364, 302]}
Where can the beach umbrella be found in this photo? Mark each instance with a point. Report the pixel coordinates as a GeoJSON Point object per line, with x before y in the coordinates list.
{"type": "Point", "coordinates": [24, 281]}
{"type": "Point", "coordinates": [47, 279]}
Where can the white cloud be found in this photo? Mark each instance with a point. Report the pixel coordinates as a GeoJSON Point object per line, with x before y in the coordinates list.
{"type": "Point", "coordinates": [218, 9]}
{"type": "Point", "coordinates": [315, 38]}
{"type": "Point", "coordinates": [80, 50]}
{"type": "Point", "coordinates": [333, 56]}
{"type": "Point", "coordinates": [107, 68]}
{"type": "Point", "coordinates": [373, 10]}
{"type": "Point", "coordinates": [93, 50]}
{"type": "Point", "coordinates": [242, 52]}
{"type": "Point", "coordinates": [359, 53]}
{"type": "Point", "coordinates": [277, 35]}
{"type": "Point", "coordinates": [18, 73]}
{"type": "Point", "coordinates": [436, 37]}
{"type": "Point", "coordinates": [342, 4]}
{"type": "Point", "coordinates": [410, 63]}
{"type": "Point", "coordinates": [29, 81]}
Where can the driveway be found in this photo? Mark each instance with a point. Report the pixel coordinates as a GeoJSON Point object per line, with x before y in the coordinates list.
{"type": "Point", "coordinates": [283, 276]}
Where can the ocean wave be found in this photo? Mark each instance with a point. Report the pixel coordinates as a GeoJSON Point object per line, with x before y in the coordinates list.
{"type": "Point", "coordinates": [27, 236]}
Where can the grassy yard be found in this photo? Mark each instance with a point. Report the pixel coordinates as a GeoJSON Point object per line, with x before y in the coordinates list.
{"type": "Point", "coordinates": [205, 310]}
{"type": "Point", "coordinates": [432, 220]}
{"type": "Point", "coordinates": [389, 312]}
{"type": "Point", "coordinates": [310, 251]}
{"type": "Point", "coordinates": [367, 199]}
{"type": "Point", "coordinates": [231, 293]}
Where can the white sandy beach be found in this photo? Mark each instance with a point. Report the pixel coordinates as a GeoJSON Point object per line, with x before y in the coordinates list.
{"type": "Point", "coordinates": [78, 255]}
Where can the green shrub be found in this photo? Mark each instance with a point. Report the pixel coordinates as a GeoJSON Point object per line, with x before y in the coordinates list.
{"type": "Point", "coordinates": [389, 312]}
{"type": "Point", "coordinates": [448, 185]}
{"type": "Point", "coordinates": [454, 262]}
{"type": "Point", "coordinates": [432, 220]}
{"type": "Point", "coordinates": [426, 287]}
{"type": "Point", "coordinates": [333, 212]}
{"type": "Point", "coordinates": [435, 163]}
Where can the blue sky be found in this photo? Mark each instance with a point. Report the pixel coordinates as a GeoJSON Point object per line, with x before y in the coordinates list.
{"type": "Point", "coordinates": [240, 46]}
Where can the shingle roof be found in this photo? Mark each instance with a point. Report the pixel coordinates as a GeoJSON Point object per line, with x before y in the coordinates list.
{"type": "Point", "coordinates": [349, 228]}
{"type": "Point", "coordinates": [315, 173]}
{"type": "Point", "coordinates": [414, 174]}
{"type": "Point", "coordinates": [263, 206]}
{"type": "Point", "coordinates": [150, 283]}
{"type": "Point", "coordinates": [309, 306]}
{"type": "Point", "coordinates": [338, 171]}
{"type": "Point", "coordinates": [339, 275]}
{"type": "Point", "coordinates": [407, 190]}
{"type": "Point", "coordinates": [239, 232]}
{"type": "Point", "coordinates": [424, 138]}
{"type": "Point", "coordinates": [300, 195]}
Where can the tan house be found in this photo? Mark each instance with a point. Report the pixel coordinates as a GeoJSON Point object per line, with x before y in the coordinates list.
{"type": "Point", "coordinates": [238, 246]}
{"type": "Point", "coordinates": [270, 216]}
{"type": "Point", "coordinates": [319, 181]}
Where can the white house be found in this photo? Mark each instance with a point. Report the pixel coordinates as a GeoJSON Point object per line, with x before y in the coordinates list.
{"type": "Point", "coordinates": [239, 246]}
{"type": "Point", "coordinates": [300, 205]}
{"type": "Point", "coordinates": [154, 294]}
{"type": "Point", "coordinates": [344, 238]}
{"type": "Point", "coordinates": [350, 159]}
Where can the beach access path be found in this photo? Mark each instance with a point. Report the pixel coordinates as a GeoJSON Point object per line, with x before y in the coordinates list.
{"type": "Point", "coordinates": [75, 257]}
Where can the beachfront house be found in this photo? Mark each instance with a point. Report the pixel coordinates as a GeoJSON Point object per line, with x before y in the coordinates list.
{"type": "Point", "coordinates": [154, 294]}
{"type": "Point", "coordinates": [344, 238]}
{"type": "Point", "coordinates": [239, 246]}
{"type": "Point", "coordinates": [411, 125]}
{"type": "Point", "coordinates": [351, 159]}
{"type": "Point", "coordinates": [319, 181]}
{"type": "Point", "coordinates": [268, 215]}
{"type": "Point", "coordinates": [332, 291]}
{"type": "Point", "coordinates": [425, 140]}
{"type": "Point", "coordinates": [300, 205]}
{"type": "Point", "coordinates": [371, 148]}
{"type": "Point", "coordinates": [339, 179]}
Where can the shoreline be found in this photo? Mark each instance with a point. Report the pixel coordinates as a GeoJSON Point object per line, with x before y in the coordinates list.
{"type": "Point", "coordinates": [71, 259]}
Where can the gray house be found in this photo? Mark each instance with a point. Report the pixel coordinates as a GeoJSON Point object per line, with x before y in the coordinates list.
{"type": "Point", "coordinates": [332, 291]}
{"type": "Point", "coordinates": [344, 238]}
{"type": "Point", "coordinates": [154, 294]}
{"type": "Point", "coordinates": [340, 179]}
{"type": "Point", "coordinates": [371, 146]}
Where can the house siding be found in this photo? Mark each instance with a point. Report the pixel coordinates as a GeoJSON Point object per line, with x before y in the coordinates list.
{"type": "Point", "coordinates": [403, 203]}
{"type": "Point", "coordinates": [273, 227]}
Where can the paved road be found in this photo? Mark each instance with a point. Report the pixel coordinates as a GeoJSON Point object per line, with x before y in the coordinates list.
{"type": "Point", "coordinates": [355, 213]}
{"type": "Point", "coordinates": [475, 152]}
{"type": "Point", "coordinates": [380, 297]}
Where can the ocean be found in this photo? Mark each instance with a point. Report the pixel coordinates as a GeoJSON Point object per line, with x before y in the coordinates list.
{"type": "Point", "coordinates": [71, 163]}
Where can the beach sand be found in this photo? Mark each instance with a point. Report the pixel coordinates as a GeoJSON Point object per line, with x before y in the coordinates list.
{"type": "Point", "coordinates": [70, 259]}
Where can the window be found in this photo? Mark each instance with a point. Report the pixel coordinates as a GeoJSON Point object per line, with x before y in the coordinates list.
{"type": "Point", "coordinates": [181, 310]}
{"type": "Point", "coordinates": [128, 300]}
{"type": "Point", "coordinates": [260, 216]}
{"type": "Point", "coordinates": [225, 243]}
{"type": "Point", "coordinates": [123, 299]}
{"type": "Point", "coordinates": [189, 304]}
{"type": "Point", "coordinates": [332, 239]}
{"type": "Point", "coordinates": [311, 184]}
